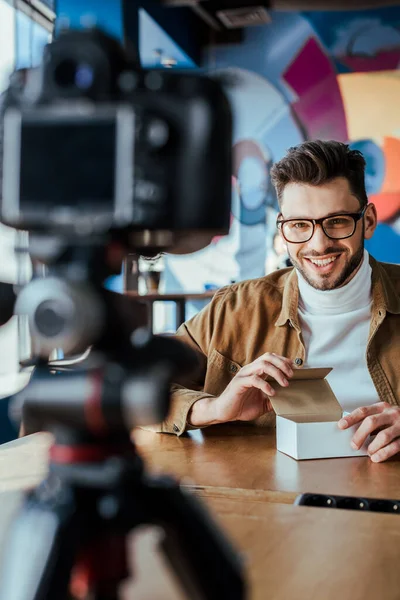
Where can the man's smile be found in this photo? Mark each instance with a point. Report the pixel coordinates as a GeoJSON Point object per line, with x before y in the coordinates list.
{"type": "Point", "coordinates": [322, 264]}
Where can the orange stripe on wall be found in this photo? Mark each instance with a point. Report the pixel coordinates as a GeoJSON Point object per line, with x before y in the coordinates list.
{"type": "Point", "coordinates": [387, 201]}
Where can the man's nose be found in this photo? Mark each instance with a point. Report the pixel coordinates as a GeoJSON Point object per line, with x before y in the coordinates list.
{"type": "Point", "coordinates": [319, 241]}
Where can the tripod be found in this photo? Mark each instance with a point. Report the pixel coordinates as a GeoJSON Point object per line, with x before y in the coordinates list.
{"type": "Point", "coordinates": [77, 520]}
{"type": "Point", "coordinates": [70, 534]}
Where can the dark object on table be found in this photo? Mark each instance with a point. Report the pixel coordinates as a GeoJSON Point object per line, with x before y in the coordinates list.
{"type": "Point", "coordinates": [349, 503]}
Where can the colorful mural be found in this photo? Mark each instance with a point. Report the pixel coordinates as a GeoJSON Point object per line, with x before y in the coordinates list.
{"type": "Point", "coordinates": [304, 76]}
{"type": "Point", "coordinates": [365, 47]}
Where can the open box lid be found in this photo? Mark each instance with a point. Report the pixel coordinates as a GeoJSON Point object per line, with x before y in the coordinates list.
{"type": "Point", "coordinates": [309, 397]}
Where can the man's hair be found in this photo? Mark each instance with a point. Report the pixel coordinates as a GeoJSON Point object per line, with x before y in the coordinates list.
{"type": "Point", "coordinates": [318, 162]}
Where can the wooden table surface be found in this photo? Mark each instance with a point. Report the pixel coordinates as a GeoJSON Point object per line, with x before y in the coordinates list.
{"type": "Point", "coordinates": [234, 460]}
{"type": "Point", "coordinates": [228, 462]}
{"type": "Point", "coordinates": [303, 553]}
{"type": "Point", "coordinates": [289, 552]}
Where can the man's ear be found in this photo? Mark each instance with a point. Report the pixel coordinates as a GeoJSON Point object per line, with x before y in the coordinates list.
{"type": "Point", "coordinates": [370, 221]}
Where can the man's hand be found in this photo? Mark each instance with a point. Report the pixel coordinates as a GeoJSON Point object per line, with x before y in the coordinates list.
{"type": "Point", "coordinates": [381, 416]}
{"type": "Point", "coordinates": [245, 398]}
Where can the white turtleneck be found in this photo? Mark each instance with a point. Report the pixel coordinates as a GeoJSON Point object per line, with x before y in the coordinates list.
{"type": "Point", "coordinates": [335, 326]}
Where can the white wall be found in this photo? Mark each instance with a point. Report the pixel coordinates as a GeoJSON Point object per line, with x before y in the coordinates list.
{"type": "Point", "coordinates": [7, 42]}
{"type": "Point", "coordinates": [8, 264]}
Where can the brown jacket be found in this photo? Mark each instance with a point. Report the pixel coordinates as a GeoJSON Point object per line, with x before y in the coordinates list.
{"type": "Point", "coordinates": [256, 316]}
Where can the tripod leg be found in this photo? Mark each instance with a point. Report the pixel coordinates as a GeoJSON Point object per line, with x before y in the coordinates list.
{"type": "Point", "coordinates": [100, 567]}
{"type": "Point", "coordinates": [206, 564]}
{"type": "Point", "coordinates": [40, 551]}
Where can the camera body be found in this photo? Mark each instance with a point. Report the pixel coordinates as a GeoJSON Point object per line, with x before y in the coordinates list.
{"type": "Point", "coordinates": [94, 144]}
{"type": "Point", "coordinates": [101, 158]}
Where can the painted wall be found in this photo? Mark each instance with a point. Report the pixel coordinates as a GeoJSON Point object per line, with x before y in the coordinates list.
{"type": "Point", "coordinates": [106, 14]}
{"type": "Point", "coordinates": [304, 76]}
{"type": "Point", "coordinates": [155, 44]}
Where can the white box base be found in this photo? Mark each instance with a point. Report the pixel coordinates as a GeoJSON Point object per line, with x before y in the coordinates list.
{"type": "Point", "coordinates": [304, 441]}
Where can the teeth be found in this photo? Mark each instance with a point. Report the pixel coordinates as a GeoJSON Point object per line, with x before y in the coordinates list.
{"type": "Point", "coordinates": [324, 262]}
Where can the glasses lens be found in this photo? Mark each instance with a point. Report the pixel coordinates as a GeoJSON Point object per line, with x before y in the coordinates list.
{"type": "Point", "coordinates": [339, 227]}
{"type": "Point", "coordinates": [297, 231]}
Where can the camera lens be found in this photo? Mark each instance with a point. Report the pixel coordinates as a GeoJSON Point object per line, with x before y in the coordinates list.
{"type": "Point", "coordinates": [49, 319]}
{"type": "Point", "coordinates": [64, 73]}
{"type": "Point", "coordinates": [69, 73]}
{"type": "Point", "coordinates": [84, 77]}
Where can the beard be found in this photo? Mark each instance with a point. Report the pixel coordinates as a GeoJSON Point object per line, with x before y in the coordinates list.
{"type": "Point", "coordinates": [325, 283]}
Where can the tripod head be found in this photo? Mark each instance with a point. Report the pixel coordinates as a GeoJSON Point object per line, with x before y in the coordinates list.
{"type": "Point", "coordinates": [130, 368]}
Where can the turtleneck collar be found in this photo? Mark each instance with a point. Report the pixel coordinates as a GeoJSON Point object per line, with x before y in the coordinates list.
{"type": "Point", "coordinates": [352, 296]}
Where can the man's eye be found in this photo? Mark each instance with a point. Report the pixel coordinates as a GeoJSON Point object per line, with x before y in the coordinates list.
{"type": "Point", "coordinates": [300, 225]}
{"type": "Point", "coordinates": [339, 222]}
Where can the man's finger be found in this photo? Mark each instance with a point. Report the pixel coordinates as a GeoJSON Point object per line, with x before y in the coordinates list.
{"type": "Point", "coordinates": [280, 362]}
{"type": "Point", "coordinates": [257, 382]}
{"type": "Point", "coordinates": [387, 451]}
{"type": "Point", "coordinates": [361, 413]}
{"type": "Point", "coordinates": [276, 373]}
{"type": "Point", "coordinates": [283, 363]}
{"type": "Point", "coordinates": [383, 438]}
{"type": "Point", "coordinates": [262, 368]}
{"type": "Point", "coordinates": [266, 368]}
{"type": "Point", "coordinates": [368, 426]}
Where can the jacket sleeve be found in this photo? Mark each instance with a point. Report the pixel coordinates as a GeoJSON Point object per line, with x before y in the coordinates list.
{"type": "Point", "coordinates": [196, 333]}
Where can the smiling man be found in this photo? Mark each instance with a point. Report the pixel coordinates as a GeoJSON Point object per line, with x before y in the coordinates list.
{"type": "Point", "coordinates": [337, 307]}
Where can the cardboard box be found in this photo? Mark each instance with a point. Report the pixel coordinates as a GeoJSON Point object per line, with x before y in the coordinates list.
{"type": "Point", "coordinates": [307, 416]}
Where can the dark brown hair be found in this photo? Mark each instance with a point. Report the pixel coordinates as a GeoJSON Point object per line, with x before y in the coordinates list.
{"type": "Point", "coordinates": [319, 162]}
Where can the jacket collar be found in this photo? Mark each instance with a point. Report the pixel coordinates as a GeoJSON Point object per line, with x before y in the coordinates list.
{"type": "Point", "coordinates": [384, 296]}
{"type": "Point", "coordinates": [290, 301]}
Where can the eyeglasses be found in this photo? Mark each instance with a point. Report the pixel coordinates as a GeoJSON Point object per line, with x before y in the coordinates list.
{"type": "Point", "coordinates": [335, 227]}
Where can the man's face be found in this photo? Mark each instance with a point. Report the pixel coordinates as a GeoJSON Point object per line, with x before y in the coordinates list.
{"type": "Point", "coordinates": [315, 202]}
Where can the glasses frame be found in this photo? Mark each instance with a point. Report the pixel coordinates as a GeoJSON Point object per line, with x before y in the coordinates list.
{"type": "Point", "coordinates": [355, 216]}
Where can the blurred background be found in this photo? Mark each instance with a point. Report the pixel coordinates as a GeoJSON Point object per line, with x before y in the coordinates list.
{"type": "Point", "coordinates": [292, 72]}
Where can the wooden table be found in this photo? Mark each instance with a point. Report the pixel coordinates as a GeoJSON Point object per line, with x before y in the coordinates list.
{"type": "Point", "coordinates": [231, 461]}
{"type": "Point", "coordinates": [289, 552]}
{"type": "Point", "coordinates": [239, 460]}
{"type": "Point", "coordinates": [302, 553]}
{"type": "Point", "coordinates": [179, 299]}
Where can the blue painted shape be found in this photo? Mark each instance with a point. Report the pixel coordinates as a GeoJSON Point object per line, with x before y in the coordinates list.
{"type": "Point", "coordinates": [153, 38]}
{"type": "Point", "coordinates": [179, 23]}
{"type": "Point", "coordinates": [253, 178]}
{"type": "Point", "coordinates": [106, 15]}
{"type": "Point", "coordinates": [375, 167]}
{"type": "Point", "coordinates": [267, 51]}
{"type": "Point", "coordinates": [385, 244]}
{"type": "Point", "coordinates": [330, 24]}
